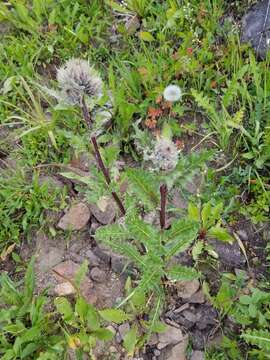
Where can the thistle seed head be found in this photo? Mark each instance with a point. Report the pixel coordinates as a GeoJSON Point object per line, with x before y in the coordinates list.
{"type": "Point", "coordinates": [172, 93]}
{"type": "Point", "coordinates": [165, 156]}
{"type": "Point", "coordinates": [76, 78]}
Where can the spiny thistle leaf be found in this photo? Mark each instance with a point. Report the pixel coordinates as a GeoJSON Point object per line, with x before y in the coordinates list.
{"type": "Point", "coordinates": [145, 186]}
{"type": "Point", "coordinates": [112, 233]}
{"type": "Point", "coordinates": [181, 273]}
{"type": "Point", "coordinates": [260, 338]}
{"type": "Point", "coordinates": [143, 232]}
{"type": "Point", "coordinates": [180, 236]}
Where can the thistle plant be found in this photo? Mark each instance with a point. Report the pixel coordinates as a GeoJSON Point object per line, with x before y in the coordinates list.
{"type": "Point", "coordinates": [79, 81]}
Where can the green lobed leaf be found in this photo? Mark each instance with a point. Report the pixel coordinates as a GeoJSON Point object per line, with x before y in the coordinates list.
{"type": "Point", "coordinates": [112, 232]}
{"type": "Point", "coordinates": [115, 315]}
{"type": "Point", "coordinates": [181, 273]}
{"type": "Point", "coordinates": [182, 233]}
{"type": "Point", "coordinates": [63, 306]}
{"type": "Point", "coordinates": [220, 233]}
{"type": "Point", "coordinates": [103, 334]}
{"type": "Point", "coordinates": [130, 340]}
{"type": "Point", "coordinates": [145, 186]}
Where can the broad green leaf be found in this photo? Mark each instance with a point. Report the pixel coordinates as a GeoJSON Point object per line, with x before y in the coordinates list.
{"type": "Point", "coordinates": [103, 334]}
{"type": "Point", "coordinates": [29, 281]}
{"type": "Point", "coordinates": [130, 340]}
{"type": "Point", "coordinates": [81, 308]}
{"type": "Point", "coordinates": [220, 234]}
{"type": "Point", "coordinates": [63, 306]}
{"type": "Point", "coordinates": [181, 273]}
{"type": "Point", "coordinates": [29, 349]}
{"type": "Point", "coordinates": [193, 212]}
{"type": "Point", "coordinates": [92, 318]}
{"type": "Point", "coordinates": [115, 315]}
{"type": "Point", "coordinates": [146, 36]}
{"type": "Point", "coordinates": [206, 214]}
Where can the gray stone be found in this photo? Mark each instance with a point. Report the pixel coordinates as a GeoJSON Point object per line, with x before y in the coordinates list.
{"type": "Point", "coordinates": [105, 212]}
{"type": "Point", "coordinates": [229, 254]}
{"type": "Point", "coordinates": [197, 355]}
{"type": "Point", "coordinates": [93, 259]}
{"type": "Point", "coordinates": [189, 316]}
{"type": "Point", "coordinates": [171, 336]}
{"type": "Point", "coordinates": [75, 218]}
{"type": "Point", "coordinates": [197, 298]}
{"type": "Point", "coordinates": [256, 27]}
{"type": "Point", "coordinates": [242, 234]}
{"type": "Point", "coordinates": [123, 329]}
{"type": "Point", "coordinates": [47, 253]}
{"type": "Point", "coordinates": [178, 352]}
{"type": "Point", "coordinates": [185, 289]}
{"type": "Point", "coordinates": [98, 275]}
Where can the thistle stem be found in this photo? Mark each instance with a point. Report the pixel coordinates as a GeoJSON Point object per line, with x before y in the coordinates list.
{"type": "Point", "coordinates": [86, 114]}
{"type": "Point", "coordinates": [163, 199]}
{"type": "Point", "coordinates": [98, 157]}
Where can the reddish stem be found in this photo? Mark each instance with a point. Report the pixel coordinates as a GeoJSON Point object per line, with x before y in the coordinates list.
{"type": "Point", "coordinates": [163, 200]}
{"type": "Point", "coordinates": [99, 160]}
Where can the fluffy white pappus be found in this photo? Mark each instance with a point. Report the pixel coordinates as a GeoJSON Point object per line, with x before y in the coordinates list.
{"type": "Point", "coordinates": [77, 78]}
{"type": "Point", "coordinates": [165, 156]}
{"type": "Point", "coordinates": [172, 93]}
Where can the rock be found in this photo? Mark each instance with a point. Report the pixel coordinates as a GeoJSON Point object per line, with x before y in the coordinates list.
{"type": "Point", "coordinates": [67, 271]}
{"type": "Point", "coordinates": [93, 259]}
{"type": "Point", "coordinates": [117, 262]}
{"type": "Point", "coordinates": [207, 315]}
{"type": "Point", "coordinates": [197, 298]}
{"type": "Point", "coordinates": [171, 336]}
{"type": "Point", "coordinates": [242, 234]}
{"type": "Point", "coordinates": [75, 218]}
{"type": "Point", "coordinates": [255, 28]}
{"type": "Point", "coordinates": [104, 211]}
{"type": "Point", "coordinates": [153, 340]}
{"type": "Point", "coordinates": [132, 25]}
{"type": "Point", "coordinates": [198, 340]}
{"type": "Point", "coordinates": [64, 289]}
{"type": "Point", "coordinates": [178, 352]}
{"type": "Point", "coordinates": [185, 289]}
{"type": "Point", "coordinates": [197, 355]}
{"type": "Point", "coordinates": [47, 254]}
{"type": "Point", "coordinates": [123, 329]}
{"type": "Point", "coordinates": [229, 254]}
{"type": "Point", "coordinates": [189, 316]}
{"type": "Point", "coordinates": [94, 226]}
{"type": "Point", "coordinates": [98, 275]}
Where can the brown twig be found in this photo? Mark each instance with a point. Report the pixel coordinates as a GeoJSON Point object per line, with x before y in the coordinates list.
{"type": "Point", "coordinates": [163, 200]}
{"type": "Point", "coordinates": [98, 157]}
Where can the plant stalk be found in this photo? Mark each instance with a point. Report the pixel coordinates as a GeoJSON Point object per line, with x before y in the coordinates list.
{"type": "Point", "coordinates": [98, 157]}
{"type": "Point", "coordinates": [163, 199]}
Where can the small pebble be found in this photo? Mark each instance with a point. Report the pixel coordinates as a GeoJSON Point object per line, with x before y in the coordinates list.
{"type": "Point", "coordinates": [98, 275]}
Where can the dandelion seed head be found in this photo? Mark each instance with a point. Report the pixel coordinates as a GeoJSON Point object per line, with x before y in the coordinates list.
{"type": "Point", "coordinates": [172, 93]}
{"type": "Point", "coordinates": [165, 156]}
{"type": "Point", "coordinates": [77, 78]}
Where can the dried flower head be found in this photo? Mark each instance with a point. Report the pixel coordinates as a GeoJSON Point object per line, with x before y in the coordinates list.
{"type": "Point", "coordinates": [76, 78]}
{"type": "Point", "coordinates": [172, 93]}
{"type": "Point", "coordinates": [165, 156]}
